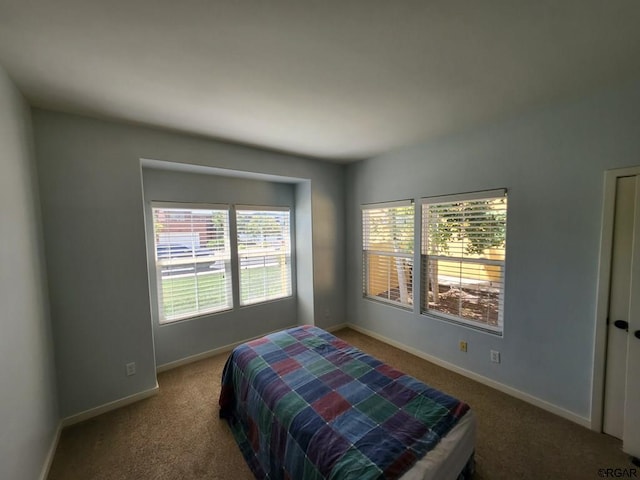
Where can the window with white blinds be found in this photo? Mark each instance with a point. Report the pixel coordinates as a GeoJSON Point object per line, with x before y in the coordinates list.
{"type": "Point", "coordinates": [463, 258]}
{"type": "Point", "coordinates": [264, 253]}
{"type": "Point", "coordinates": [193, 259]}
{"type": "Point", "coordinates": [387, 252]}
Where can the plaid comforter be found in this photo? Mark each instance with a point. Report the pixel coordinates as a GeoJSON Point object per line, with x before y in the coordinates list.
{"type": "Point", "coordinates": [303, 404]}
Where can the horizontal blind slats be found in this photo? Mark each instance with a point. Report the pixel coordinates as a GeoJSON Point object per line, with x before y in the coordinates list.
{"type": "Point", "coordinates": [388, 229]}
{"type": "Point", "coordinates": [192, 257]}
{"type": "Point", "coordinates": [264, 254]}
{"type": "Point", "coordinates": [388, 244]}
{"type": "Point", "coordinates": [463, 253]}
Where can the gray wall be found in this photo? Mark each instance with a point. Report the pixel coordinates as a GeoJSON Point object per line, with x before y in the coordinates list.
{"type": "Point", "coordinates": [28, 405]}
{"type": "Point", "coordinates": [552, 161]}
{"type": "Point", "coordinates": [304, 256]}
{"type": "Point", "coordinates": [90, 183]}
{"type": "Point", "coordinates": [179, 340]}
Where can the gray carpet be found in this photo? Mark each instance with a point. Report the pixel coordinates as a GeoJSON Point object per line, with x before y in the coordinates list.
{"type": "Point", "coordinates": [177, 434]}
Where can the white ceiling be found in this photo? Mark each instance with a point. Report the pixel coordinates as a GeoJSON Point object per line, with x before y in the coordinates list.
{"type": "Point", "coordinates": [333, 79]}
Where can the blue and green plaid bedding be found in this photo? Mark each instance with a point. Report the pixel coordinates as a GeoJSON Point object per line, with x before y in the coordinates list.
{"type": "Point", "coordinates": [303, 404]}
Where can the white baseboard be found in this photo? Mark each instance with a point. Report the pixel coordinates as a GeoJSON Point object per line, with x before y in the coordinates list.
{"type": "Point", "coordinates": [210, 353]}
{"type": "Point", "coordinates": [335, 328]}
{"type": "Point", "coordinates": [538, 402]}
{"type": "Point", "coordinates": [94, 412]}
{"type": "Point", "coordinates": [52, 452]}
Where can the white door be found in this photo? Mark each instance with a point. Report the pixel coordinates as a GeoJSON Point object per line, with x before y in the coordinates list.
{"type": "Point", "coordinates": [622, 392]}
{"type": "Point", "coordinates": [631, 436]}
{"type": "Point", "coordinates": [619, 297]}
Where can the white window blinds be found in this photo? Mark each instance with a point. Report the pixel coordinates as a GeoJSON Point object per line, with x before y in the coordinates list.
{"type": "Point", "coordinates": [387, 249]}
{"type": "Point", "coordinates": [463, 258]}
{"type": "Point", "coordinates": [192, 256]}
{"type": "Point", "coordinates": [264, 253]}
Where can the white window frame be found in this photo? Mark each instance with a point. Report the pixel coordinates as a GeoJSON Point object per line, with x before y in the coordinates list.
{"type": "Point", "coordinates": [425, 257]}
{"type": "Point", "coordinates": [192, 261]}
{"type": "Point", "coordinates": [405, 256]}
{"type": "Point", "coordinates": [268, 248]}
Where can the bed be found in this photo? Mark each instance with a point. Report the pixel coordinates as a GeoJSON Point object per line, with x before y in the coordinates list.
{"type": "Point", "coordinates": [304, 404]}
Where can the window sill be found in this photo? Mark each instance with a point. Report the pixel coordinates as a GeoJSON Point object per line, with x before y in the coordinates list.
{"type": "Point", "coordinates": [263, 302]}
{"type": "Point", "coordinates": [478, 327]}
{"type": "Point", "coordinates": [194, 317]}
{"type": "Point", "coordinates": [389, 303]}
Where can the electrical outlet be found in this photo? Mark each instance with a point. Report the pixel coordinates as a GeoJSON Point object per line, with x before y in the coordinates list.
{"type": "Point", "coordinates": [131, 368]}
{"type": "Point", "coordinates": [495, 356]}
{"type": "Point", "coordinates": [463, 346]}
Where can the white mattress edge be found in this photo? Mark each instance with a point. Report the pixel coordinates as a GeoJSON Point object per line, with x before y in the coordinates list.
{"type": "Point", "coordinates": [448, 458]}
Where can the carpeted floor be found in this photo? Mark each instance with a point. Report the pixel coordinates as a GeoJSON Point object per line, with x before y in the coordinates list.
{"type": "Point", "coordinates": [177, 434]}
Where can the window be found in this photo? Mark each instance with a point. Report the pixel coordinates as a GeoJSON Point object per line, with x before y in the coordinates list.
{"type": "Point", "coordinates": [264, 253]}
{"type": "Point", "coordinates": [463, 257]}
{"type": "Point", "coordinates": [387, 252]}
{"type": "Point", "coordinates": [193, 256]}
